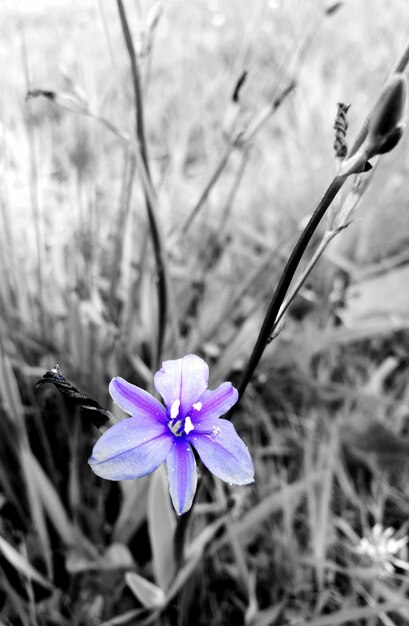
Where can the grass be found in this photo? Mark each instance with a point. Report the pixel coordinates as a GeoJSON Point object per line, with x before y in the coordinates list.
{"type": "Point", "coordinates": [325, 415]}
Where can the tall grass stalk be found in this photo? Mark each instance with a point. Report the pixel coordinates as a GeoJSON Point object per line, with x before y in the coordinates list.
{"type": "Point", "coordinates": [158, 247]}
{"type": "Point", "coordinates": [34, 188]}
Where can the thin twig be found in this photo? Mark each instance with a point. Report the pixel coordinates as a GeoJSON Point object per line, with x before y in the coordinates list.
{"type": "Point", "coordinates": [219, 169]}
{"type": "Point", "coordinates": [263, 115]}
{"type": "Point", "coordinates": [153, 224]}
{"type": "Point", "coordinates": [240, 140]}
{"type": "Point", "coordinates": [247, 135]}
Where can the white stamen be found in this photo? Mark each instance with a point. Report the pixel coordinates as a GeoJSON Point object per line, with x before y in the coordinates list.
{"type": "Point", "coordinates": [197, 406]}
{"type": "Point", "coordinates": [216, 432]}
{"type": "Point", "coordinates": [188, 425]}
{"type": "Point", "coordinates": [174, 409]}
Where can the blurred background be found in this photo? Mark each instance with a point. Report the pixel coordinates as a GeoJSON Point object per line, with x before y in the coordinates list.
{"type": "Point", "coordinates": [239, 103]}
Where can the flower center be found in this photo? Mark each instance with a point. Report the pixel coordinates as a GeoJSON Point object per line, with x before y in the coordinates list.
{"type": "Point", "coordinates": [177, 425]}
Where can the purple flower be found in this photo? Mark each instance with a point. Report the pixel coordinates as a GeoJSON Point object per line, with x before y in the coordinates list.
{"type": "Point", "coordinates": [153, 434]}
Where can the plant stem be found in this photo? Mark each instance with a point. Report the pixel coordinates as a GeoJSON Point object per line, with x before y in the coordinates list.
{"type": "Point", "coordinates": [359, 187]}
{"type": "Point", "coordinates": [153, 224]}
{"type": "Point", "coordinates": [322, 246]}
{"type": "Point", "coordinates": [298, 251]}
{"type": "Point", "coordinates": [206, 191]}
{"type": "Point", "coordinates": [286, 279]}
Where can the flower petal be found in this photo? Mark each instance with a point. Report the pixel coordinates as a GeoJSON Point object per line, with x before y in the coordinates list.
{"type": "Point", "coordinates": [183, 379]}
{"type": "Point", "coordinates": [182, 477]}
{"type": "Point", "coordinates": [134, 400]}
{"type": "Point", "coordinates": [214, 403]}
{"type": "Point", "coordinates": [132, 448]}
{"type": "Point", "coordinates": [223, 452]}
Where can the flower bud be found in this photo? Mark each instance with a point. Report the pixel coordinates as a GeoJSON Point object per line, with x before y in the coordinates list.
{"type": "Point", "coordinates": [392, 140]}
{"type": "Point", "coordinates": [385, 126]}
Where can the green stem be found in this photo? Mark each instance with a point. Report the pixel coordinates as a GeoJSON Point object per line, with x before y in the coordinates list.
{"type": "Point", "coordinates": [286, 279]}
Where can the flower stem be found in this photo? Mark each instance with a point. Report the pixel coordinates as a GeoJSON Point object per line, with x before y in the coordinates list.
{"type": "Point", "coordinates": [322, 246]}
{"type": "Point", "coordinates": [298, 251]}
{"type": "Point", "coordinates": [285, 280]}
{"type": "Point", "coordinates": [153, 224]}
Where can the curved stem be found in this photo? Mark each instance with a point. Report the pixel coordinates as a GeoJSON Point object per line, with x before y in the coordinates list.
{"type": "Point", "coordinates": [153, 224]}
{"type": "Point", "coordinates": [325, 241]}
{"type": "Point", "coordinates": [286, 279]}
{"type": "Point", "coordinates": [297, 253]}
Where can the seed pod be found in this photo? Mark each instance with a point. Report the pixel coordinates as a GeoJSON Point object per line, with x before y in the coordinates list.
{"type": "Point", "coordinates": [385, 126]}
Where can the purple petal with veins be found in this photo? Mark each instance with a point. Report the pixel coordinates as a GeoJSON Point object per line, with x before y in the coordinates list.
{"type": "Point", "coordinates": [222, 451]}
{"type": "Point", "coordinates": [182, 476]}
{"type": "Point", "coordinates": [214, 403]}
{"type": "Point", "coordinates": [184, 379]}
{"type": "Point", "coordinates": [132, 448]}
{"type": "Point", "coordinates": [134, 400]}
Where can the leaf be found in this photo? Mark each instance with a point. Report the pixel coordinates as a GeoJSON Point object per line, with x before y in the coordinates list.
{"type": "Point", "coordinates": [148, 594]}
{"type": "Point", "coordinates": [133, 509]}
{"type": "Point", "coordinates": [117, 556]}
{"type": "Point", "coordinates": [372, 442]}
{"type": "Point", "coordinates": [354, 615]}
{"type": "Point", "coordinates": [194, 555]}
{"type": "Point", "coordinates": [251, 522]}
{"type": "Point", "coordinates": [161, 527]}
{"type": "Point", "coordinates": [36, 508]}
{"type": "Point", "coordinates": [9, 392]}
{"type": "Point", "coordinates": [52, 505]}
{"type": "Point", "coordinates": [269, 616]}
{"type": "Point", "coordinates": [20, 563]}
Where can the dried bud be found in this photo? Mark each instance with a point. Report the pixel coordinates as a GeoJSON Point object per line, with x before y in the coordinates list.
{"type": "Point", "coordinates": [89, 408]}
{"type": "Point", "coordinates": [232, 113]}
{"type": "Point", "coordinates": [385, 126]}
{"type": "Point", "coordinates": [341, 127]}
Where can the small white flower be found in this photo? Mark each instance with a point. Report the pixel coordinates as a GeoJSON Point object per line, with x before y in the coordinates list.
{"type": "Point", "coordinates": [383, 549]}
